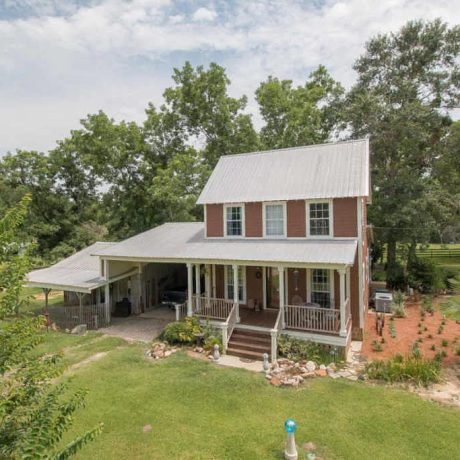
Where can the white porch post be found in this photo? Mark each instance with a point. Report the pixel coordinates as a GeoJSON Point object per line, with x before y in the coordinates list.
{"type": "Point", "coordinates": [107, 292]}
{"type": "Point", "coordinates": [207, 281]}
{"type": "Point", "coordinates": [343, 319]}
{"type": "Point", "coordinates": [189, 289]}
{"type": "Point", "coordinates": [197, 286]}
{"type": "Point", "coordinates": [236, 286]}
{"type": "Point", "coordinates": [214, 281]}
{"type": "Point", "coordinates": [281, 294]}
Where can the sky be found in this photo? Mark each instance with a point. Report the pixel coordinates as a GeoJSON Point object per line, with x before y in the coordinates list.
{"type": "Point", "coordinates": [63, 59]}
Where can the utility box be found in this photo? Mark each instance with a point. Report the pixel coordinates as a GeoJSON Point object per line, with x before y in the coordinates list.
{"type": "Point", "coordinates": [383, 300]}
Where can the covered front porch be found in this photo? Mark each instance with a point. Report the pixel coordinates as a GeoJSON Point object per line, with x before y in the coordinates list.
{"type": "Point", "coordinates": [310, 302]}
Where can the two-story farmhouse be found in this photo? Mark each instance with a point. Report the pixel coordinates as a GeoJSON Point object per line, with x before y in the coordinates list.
{"type": "Point", "coordinates": [283, 248]}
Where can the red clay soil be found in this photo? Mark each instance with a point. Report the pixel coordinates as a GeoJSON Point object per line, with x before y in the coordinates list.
{"type": "Point", "coordinates": [407, 333]}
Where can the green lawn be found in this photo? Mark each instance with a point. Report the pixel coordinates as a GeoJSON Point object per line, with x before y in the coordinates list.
{"type": "Point", "coordinates": [202, 411]}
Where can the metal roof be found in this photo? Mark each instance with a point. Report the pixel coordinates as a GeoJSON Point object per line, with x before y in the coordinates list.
{"type": "Point", "coordinates": [79, 272]}
{"type": "Point", "coordinates": [331, 170]}
{"type": "Point", "coordinates": [186, 241]}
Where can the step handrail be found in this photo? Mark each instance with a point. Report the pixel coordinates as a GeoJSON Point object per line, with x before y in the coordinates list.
{"type": "Point", "coordinates": [228, 326]}
{"type": "Point", "coordinates": [274, 333]}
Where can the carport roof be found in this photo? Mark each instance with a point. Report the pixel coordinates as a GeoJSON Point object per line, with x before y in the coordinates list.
{"type": "Point", "coordinates": [79, 272]}
{"type": "Point", "coordinates": [183, 242]}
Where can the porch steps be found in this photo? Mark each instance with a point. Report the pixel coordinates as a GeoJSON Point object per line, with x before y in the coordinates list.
{"type": "Point", "coordinates": [249, 344]}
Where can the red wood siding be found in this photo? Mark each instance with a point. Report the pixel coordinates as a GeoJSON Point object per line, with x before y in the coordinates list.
{"type": "Point", "coordinates": [220, 288]}
{"type": "Point", "coordinates": [254, 285]}
{"type": "Point", "coordinates": [253, 219]}
{"type": "Point", "coordinates": [296, 218]}
{"type": "Point", "coordinates": [214, 220]}
{"type": "Point", "coordinates": [301, 285]}
{"type": "Point", "coordinates": [345, 217]}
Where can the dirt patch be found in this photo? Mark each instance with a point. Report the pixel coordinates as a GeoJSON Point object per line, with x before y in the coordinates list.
{"type": "Point", "coordinates": [88, 360]}
{"type": "Point", "coordinates": [407, 333]}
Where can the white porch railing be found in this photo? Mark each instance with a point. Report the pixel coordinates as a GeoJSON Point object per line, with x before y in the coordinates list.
{"type": "Point", "coordinates": [212, 308]}
{"type": "Point", "coordinates": [274, 335]}
{"type": "Point", "coordinates": [314, 319]}
{"type": "Point", "coordinates": [228, 326]}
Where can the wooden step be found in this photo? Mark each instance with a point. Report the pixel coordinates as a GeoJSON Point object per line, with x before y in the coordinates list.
{"type": "Point", "coordinates": [250, 333]}
{"type": "Point", "coordinates": [258, 355]}
{"type": "Point", "coordinates": [263, 348]}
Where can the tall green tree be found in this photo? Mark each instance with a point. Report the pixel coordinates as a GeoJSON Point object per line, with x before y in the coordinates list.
{"type": "Point", "coordinates": [299, 115]}
{"type": "Point", "coordinates": [406, 81]}
{"type": "Point", "coordinates": [208, 115]}
{"type": "Point", "coordinates": [35, 411]}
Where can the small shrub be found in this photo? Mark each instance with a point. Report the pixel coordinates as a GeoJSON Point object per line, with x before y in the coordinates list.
{"type": "Point", "coordinates": [297, 350]}
{"type": "Point", "coordinates": [392, 328]}
{"type": "Point", "coordinates": [433, 347]}
{"type": "Point", "coordinates": [382, 340]}
{"type": "Point", "coordinates": [457, 351]}
{"type": "Point", "coordinates": [415, 350]}
{"type": "Point", "coordinates": [376, 346]}
{"type": "Point", "coordinates": [443, 322]}
{"type": "Point", "coordinates": [419, 331]}
{"type": "Point", "coordinates": [430, 336]}
{"type": "Point", "coordinates": [414, 369]}
{"type": "Point", "coordinates": [444, 353]}
{"type": "Point", "coordinates": [444, 343]}
{"type": "Point", "coordinates": [397, 307]}
{"type": "Point", "coordinates": [182, 332]}
{"type": "Point", "coordinates": [419, 325]}
{"type": "Point", "coordinates": [440, 329]}
{"type": "Point", "coordinates": [425, 328]}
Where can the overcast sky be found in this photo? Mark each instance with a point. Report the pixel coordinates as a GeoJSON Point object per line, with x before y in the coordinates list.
{"type": "Point", "coordinates": [63, 59]}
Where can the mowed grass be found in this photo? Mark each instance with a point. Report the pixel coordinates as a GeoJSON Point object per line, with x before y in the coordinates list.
{"type": "Point", "coordinates": [199, 410]}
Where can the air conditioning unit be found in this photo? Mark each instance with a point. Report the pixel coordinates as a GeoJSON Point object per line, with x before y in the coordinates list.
{"type": "Point", "coordinates": [383, 301]}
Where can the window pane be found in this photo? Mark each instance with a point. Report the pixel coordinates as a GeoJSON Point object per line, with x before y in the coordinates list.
{"type": "Point", "coordinates": [234, 220]}
{"type": "Point", "coordinates": [274, 220]}
{"type": "Point", "coordinates": [320, 287]}
{"type": "Point", "coordinates": [319, 219]}
{"type": "Point", "coordinates": [230, 283]}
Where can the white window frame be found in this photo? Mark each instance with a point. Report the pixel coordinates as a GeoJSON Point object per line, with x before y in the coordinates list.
{"type": "Point", "coordinates": [331, 218]}
{"type": "Point", "coordinates": [243, 220]}
{"type": "Point", "coordinates": [243, 276]}
{"type": "Point", "coordinates": [276, 203]}
{"type": "Point", "coordinates": [331, 285]}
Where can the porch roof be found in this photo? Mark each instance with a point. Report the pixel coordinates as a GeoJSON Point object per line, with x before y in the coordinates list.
{"type": "Point", "coordinates": [79, 272]}
{"type": "Point", "coordinates": [184, 242]}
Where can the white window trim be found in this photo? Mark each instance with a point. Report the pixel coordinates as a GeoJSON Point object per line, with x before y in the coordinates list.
{"type": "Point", "coordinates": [269, 203]}
{"type": "Point", "coordinates": [243, 274]}
{"type": "Point", "coordinates": [331, 219]}
{"type": "Point", "coordinates": [243, 220]}
{"type": "Point", "coordinates": [331, 285]}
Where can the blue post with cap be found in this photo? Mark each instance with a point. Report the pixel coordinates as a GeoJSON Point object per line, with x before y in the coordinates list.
{"type": "Point", "coordinates": [291, 450]}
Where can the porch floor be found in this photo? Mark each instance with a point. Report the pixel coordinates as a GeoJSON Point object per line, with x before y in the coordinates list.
{"type": "Point", "coordinates": [262, 318]}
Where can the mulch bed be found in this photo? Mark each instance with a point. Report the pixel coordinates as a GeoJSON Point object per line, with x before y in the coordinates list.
{"type": "Point", "coordinates": [407, 333]}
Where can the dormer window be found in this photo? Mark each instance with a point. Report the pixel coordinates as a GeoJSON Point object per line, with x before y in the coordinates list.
{"type": "Point", "coordinates": [234, 220]}
{"type": "Point", "coordinates": [319, 219]}
{"type": "Point", "coordinates": [274, 220]}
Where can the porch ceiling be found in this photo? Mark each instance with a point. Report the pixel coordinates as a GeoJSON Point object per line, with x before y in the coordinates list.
{"type": "Point", "coordinates": [182, 242]}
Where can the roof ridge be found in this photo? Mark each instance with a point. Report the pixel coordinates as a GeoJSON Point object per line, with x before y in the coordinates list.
{"type": "Point", "coordinates": [298, 147]}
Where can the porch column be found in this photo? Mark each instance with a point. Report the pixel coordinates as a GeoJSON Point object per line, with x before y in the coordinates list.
{"type": "Point", "coordinates": [136, 293]}
{"type": "Point", "coordinates": [107, 292]}
{"type": "Point", "coordinates": [189, 289]}
{"type": "Point", "coordinates": [281, 294]}
{"type": "Point", "coordinates": [197, 286]}
{"type": "Point", "coordinates": [214, 295]}
{"type": "Point", "coordinates": [207, 281]}
{"type": "Point", "coordinates": [343, 319]}
{"type": "Point", "coordinates": [236, 286]}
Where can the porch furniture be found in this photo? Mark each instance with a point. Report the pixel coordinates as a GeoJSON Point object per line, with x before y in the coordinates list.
{"type": "Point", "coordinates": [254, 304]}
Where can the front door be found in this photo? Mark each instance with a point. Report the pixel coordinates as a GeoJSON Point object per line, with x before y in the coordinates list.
{"type": "Point", "coordinates": [273, 288]}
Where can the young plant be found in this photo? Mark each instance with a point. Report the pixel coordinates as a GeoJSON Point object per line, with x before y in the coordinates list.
{"type": "Point", "coordinates": [433, 347]}
{"type": "Point", "coordinates": [444, 343]}
{"type": "Point", "coordinates": [376, 346]}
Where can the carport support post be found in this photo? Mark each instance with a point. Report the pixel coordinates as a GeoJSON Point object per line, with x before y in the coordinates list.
{"type": "Point", "coordinates": [189, 289]}
{"type": "Point", "coordinates": [107, 292]}
{"type": "Point", "coordinates": [80, 301]}
{"type": "Point", "coordinates": [46, 291]}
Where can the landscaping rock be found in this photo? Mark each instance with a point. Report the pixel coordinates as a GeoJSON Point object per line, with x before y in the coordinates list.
{"type": "Point", "coordinates": [80, 329]}
{"type": "Point", "coordinates": [321, 372]}
{"type": "Point", "coordinates": [275, 381]}
{"type": "Point", "coordinates": [160, 350]}
{"type": "Point", "coordinates": [147, 428]}
{"type": "Point", "coordinates": [311, 366]}
{"type": "Point", "coordinates": [309, 446]}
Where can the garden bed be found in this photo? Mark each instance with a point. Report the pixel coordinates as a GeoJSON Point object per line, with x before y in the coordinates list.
{"type": "Point", "coordinates": [406, 333]}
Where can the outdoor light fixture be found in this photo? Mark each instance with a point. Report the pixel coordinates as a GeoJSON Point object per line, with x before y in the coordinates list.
{"type": "Point", "coordinates": [291, 451]}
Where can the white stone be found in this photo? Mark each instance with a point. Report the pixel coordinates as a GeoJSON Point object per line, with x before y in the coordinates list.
{"type": "Point", "coordinates": [322, 366]}
{"type": "Point", "coordinates": [311, 366]}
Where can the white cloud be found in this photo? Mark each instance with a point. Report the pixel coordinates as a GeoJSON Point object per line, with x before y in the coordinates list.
{"type": "Point", "coordinates": [204, 14]}
{"type": "Point", "coordinates": [58, 65]}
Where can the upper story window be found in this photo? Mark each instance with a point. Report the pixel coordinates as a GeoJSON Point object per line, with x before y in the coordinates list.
{"type": "Point", "coordinates": [319, 217]}
{"type": "Point", "coordinates": [234, 220]}
{"type": "Point", "coordinates": [274, 219]}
